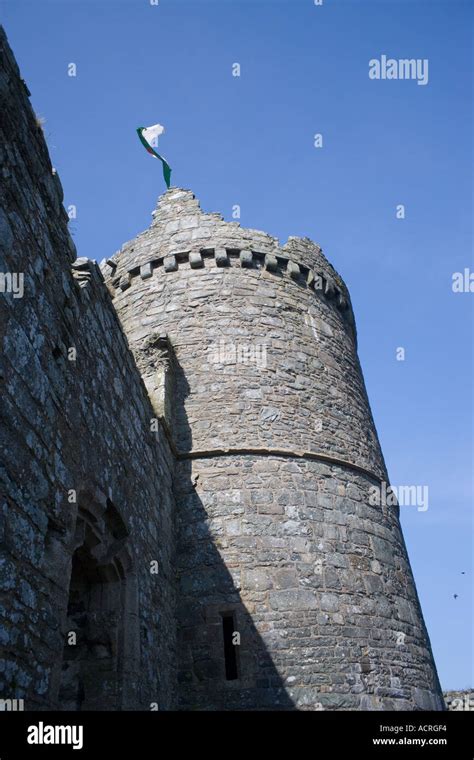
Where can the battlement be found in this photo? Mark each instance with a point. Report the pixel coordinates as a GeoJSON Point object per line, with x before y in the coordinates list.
{"type": "Point", "coordinates": [181, 235]}
{"type": "Point", "coordinates": [274, 263]}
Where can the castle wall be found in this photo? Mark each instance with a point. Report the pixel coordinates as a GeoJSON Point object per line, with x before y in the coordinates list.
{"type": "Point", "coordinates": [278, 453]}
{"type": "Point", "coordinates": [81, 425]}
{"type": "Point", "coordinates": [246, 500]}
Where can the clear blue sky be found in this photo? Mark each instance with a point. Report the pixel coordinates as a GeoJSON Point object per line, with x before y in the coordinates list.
{"type": "Point", "coordinates": [249, 141]}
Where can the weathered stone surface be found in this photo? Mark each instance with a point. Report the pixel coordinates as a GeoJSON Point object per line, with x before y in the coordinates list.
{"type": "Point", "coordinates": [195, 260]}
{"type": "Point", "coordinates": [246, 258]}
{"type": "Point", "coordinates": [222, 259]}
{"type": "Point", "coordinates": [146, 271]}
{"type": "Point", "coordinates": [293, 270]}
{"type": "Point", "coordinates": [300, 558]}
{"type": "Point", "coordinates": [215, 430]}
{"type": "Point", "coordinates": [73, 424]}
{"type": "Point", "coordinates": [170, 264]}
{"type": "Point", "coordinates": [300, 599]}
{"type": "Point", "coordinates": [271, 262]}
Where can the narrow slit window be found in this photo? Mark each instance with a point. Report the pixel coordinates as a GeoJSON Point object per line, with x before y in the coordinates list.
{"type": "Point", "coordinates": [230, 653]}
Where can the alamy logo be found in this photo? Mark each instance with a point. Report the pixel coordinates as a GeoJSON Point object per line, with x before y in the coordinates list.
{"type": "Point", "coordinates": [42, 734]}
{"type": "Point", "coordinates": [12, 705]}
{"type": "Point", "coordinates": [463, 703]}
{"type": "Point", "coordinates": [463, 282]}
{"type": "Point", "coordinates": [402, 68]}
{"type": "Point", "coordinates": [404, 496]}
{"type": "Point", "coordinates": [238, 353]}
{"type": "Point", "coordinates": [12, 282]}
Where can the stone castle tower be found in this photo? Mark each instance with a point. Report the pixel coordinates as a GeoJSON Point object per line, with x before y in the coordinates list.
{"type": "Point", "coordinates": [188, 455]}
{"type": "Point", "coordinates": [248, 350]}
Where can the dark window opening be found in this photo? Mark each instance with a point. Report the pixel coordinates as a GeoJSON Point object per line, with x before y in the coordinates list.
{"type": "Point", "coordinates": [230, 652]}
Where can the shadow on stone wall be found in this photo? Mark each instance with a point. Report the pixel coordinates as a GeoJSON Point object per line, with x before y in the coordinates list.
{"type": "Point", "coordinates": [207, 593]}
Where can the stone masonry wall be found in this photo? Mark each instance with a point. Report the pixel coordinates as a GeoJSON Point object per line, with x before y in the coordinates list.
{"type": "Point", "coordinates": [277, 451]}
{"type": "Point", "coordinates": [186, 443]}
{"type": "Point", "coordinates": [320, 584]}
{"type": "Point", "coordinates": [243, 292]}
{"type": "Point", "coordinates": [80, 424]}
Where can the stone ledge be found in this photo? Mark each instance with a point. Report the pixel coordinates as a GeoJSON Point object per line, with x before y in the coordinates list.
{"type": "Point", "coordinates": [284, 453]}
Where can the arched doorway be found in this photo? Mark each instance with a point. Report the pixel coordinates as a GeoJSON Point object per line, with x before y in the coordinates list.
{"type": "Point", "coordinates": [95, 629]}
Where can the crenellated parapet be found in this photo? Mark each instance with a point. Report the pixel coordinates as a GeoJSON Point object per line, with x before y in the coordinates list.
{"type": "Point", "coordinates": [183, 237]}
{"type": "Point", "coordinates": [279, 263]}
{"type": "Point", "coordinates": [218, 290]}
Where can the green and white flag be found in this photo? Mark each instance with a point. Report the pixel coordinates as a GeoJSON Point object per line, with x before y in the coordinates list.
{"type": "Point", "coordinates": [148, 136]}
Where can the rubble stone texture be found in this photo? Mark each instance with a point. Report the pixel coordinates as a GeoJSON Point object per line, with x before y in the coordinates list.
{"type": "Point", "coordinates": [216, 430]}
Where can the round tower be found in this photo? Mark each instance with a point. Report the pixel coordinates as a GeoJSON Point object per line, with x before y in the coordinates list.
{"type": "Point", "coordinates": [294, 590]}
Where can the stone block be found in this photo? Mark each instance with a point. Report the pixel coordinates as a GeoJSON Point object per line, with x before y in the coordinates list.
{"type": "Point", "coordinates": [246, 258]}
{"type": "Point", "coordinates": [271, 262]}
{"type": "Point", "coordinates": [188, 222]}
{"type": "Point", "coordinates": [270, 509]}
{"type": "Point", "coordinates": [329, 603]}
{"type": "Point", "coordinates": [285, 578]}
{"type": "Point", "coordinates": [172, 226]}
{"type": "Point", "coordinates": [170, 263]}
{"type": "Point", "coordinates": [222, 258]}
{"type": "Point", "coordinates": [374, 585]}
{"type": "Point", "coordinates": [146, 271]}
{"type": "Point", "coordinates": [125, 281]}
{"type": "Point", "coordinates": [195, 260]}
{"type": "Point", "coordinates": [257, 579]}
{"type": "Point", "coordinates": [382, 550]}
{"type": "Point", "coordinates": [293, 270]}
{"type": "Point", "coordinates": [295, 599]}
